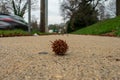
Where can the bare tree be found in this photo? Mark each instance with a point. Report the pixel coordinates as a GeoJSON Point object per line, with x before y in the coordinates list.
{"type": "Point", "coordinates": [18, 7]}
{"type": "Point", "coordinates": [101, 11]}
{"type": "Point", "coordinates": [3, 8]}
{"type": "Point", "coordinates": [111, 9]}
{"type": "Point", "coordinates": [34, 23]}
{"type": "Point", "coordinates": [68, 7]}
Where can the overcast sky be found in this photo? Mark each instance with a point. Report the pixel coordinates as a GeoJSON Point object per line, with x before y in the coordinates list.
{"type": "Point", "coordinates": [53, 12]}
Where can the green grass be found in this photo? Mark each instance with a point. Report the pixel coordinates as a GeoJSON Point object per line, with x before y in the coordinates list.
{"type": "Point", "coordinates": [16, 32]}
{"type": "Point", "coordinates": [102, 27]}
{"type": "Point", "coordinates": [118, 32]}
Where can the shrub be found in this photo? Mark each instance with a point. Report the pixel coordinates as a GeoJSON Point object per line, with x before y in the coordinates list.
{"type": "Point", "coordinates": [59, 47]}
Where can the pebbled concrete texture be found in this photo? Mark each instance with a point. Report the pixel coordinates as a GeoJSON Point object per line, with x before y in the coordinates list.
{"type": "Point", "coordinates": [88, 58]}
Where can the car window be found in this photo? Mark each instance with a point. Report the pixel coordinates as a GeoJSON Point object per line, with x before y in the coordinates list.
{"type": "Point", "coordinates": [18, 18]}
{"type": "Point", "coordinates": [4, 16]}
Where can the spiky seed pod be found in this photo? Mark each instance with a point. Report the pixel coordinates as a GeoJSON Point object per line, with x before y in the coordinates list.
{"type": "Point", "coordinates": [59, 47]}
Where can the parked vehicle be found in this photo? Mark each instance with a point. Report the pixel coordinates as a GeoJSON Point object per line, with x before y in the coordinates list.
{"type": "Point", "coordinates": [12, 22]}
{"type": "Point", "coordinates": [4, 25]}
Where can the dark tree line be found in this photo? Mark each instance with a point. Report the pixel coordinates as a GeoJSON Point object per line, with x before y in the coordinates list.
{"type": "Point", "coordinates": [82, 13]}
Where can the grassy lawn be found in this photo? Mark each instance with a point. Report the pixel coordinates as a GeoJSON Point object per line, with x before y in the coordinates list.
{"type": "Point", "coordinates": [18, 32]}
{"type": "Point", "coordinates": [102, 27]}
{"type": "Point", "coordinates": [8, 33]}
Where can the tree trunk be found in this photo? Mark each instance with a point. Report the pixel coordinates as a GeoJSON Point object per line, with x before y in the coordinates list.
{"type": "Point", "coordinates": [117, 7]}
{"type": "Point", "coordinates": [42, 18]}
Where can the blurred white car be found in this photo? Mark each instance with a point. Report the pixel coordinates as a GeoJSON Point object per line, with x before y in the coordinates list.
{"type": "Point", "coordinates": [4, 25]}
{"type": "Point", "coordinates": [12, 22]}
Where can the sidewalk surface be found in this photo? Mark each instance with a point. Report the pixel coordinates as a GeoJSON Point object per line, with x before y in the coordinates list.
{"type": "Point", "coordinates": [88, 58]}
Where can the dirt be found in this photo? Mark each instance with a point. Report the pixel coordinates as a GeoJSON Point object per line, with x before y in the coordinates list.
{"type": "Point", "coordinates": [88, 58]}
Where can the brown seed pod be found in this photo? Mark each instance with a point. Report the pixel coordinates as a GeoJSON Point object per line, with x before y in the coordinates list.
{"type": "Point", "coordinates": [59, 47]}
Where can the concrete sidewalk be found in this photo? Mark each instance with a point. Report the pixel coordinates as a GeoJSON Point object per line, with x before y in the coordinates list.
{"type": "Point", "coordinates": [88, 58]}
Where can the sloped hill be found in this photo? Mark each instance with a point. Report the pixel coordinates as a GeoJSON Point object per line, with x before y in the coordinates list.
{"type": "Point", "coordinates": [111, 26]}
